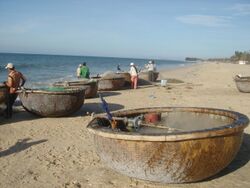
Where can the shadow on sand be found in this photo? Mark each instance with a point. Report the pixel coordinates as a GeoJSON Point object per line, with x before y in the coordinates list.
{"type": "Point", "coordinates": [108, 93]}
{"type": "Point", "coordinates": [97, 108]}
{"type": "Point", "coordinates": [18, 117]}
{"type": "Point", "coordinates": [20, 145]}
{"type": "Point", "coordinates": [86, 108]}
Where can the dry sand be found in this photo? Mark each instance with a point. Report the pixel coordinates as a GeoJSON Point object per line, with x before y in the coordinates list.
{"type": "Point", "coordinates": [58, 152]}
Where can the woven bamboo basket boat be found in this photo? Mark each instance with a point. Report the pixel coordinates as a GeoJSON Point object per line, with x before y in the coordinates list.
{"type": "Point", "coordinates": [110, 84]}
{"type": "Point", "coordinates": [126, 76]}
{"type": "Point", "coordinates": [90, 87]}
{"type": "Point", "coordinates": [149, 76]}
{"type": "Point", "coordinates": [243, 83]}
{"type": "Point", "coordinates": [52, 103]}
{"type": "Point", "coordinates": [196, 143]}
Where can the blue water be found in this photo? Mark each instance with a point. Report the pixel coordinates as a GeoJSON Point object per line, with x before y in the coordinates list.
{"type": "Point", "coordinates": [43, 70]}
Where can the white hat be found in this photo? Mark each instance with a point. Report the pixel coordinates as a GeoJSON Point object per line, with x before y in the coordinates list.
{"type": "Point", "coordinates": [9, 66]}
{"type": "Point", "coordinates": [132, 64]}
{"type": "Point", "coordinates": [150, 62]}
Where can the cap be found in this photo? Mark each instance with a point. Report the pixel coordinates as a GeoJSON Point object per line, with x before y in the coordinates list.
{"type": "Point", "coordinates": [9, 66]}
{"type": "Point", "coordinates": [150, 62]}
{"type": "Point", "coordinates": [132, 64]}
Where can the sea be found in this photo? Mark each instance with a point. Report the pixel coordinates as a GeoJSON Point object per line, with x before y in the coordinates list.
{"type": "Point", "coordinates": [43, 70]}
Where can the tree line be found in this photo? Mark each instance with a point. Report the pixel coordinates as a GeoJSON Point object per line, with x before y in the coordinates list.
{"type": "Point", "coordinates": [238, 56]}
{"type": "Point", "coordinates": [244, 56]}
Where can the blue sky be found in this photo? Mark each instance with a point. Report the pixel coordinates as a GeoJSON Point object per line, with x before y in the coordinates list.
{"type": "Point", "coordinates": [126, 28]}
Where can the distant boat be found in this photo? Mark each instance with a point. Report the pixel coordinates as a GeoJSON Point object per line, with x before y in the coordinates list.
{"type": "Point", "coordinates": [192, 59]}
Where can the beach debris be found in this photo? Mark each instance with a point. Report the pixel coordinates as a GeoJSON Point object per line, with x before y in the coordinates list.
{"type": "Point", "coordinates": [152, 96]}
{"type": "Point", "coordinates": [164, 83]}
{"type": "Point", "coordinates": [169, 87]}
{"type": "Point", "coordinates": [73, 183]}
{"type": "Point", "coordinates": [174, 81]}
{"type": "Point", "coordinates": [239, 75]}
{"type": "Point", "coordinates": [189, 87]}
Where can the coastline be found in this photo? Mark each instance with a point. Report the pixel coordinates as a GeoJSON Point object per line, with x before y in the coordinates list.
{"type": "Point", "coordinates": [59, 152]}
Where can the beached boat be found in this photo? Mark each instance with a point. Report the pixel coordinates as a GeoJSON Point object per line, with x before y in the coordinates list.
{"type": "Point", "coordinates": [149, 75]}
{"type": "Point", "coordinates": [126, 76]}
{"type": "Point", "coordinates": [3, 93]}
{"type": "Point", "coordinates": [146, 77]}
{"type": "Point", "coordinates": [181, 145]}
{"type": "Point", "coordinates": [90, 86]}
{"type": "Point", "coordinates": [52, 102]}
{"type": "Point", "coordinates": [110, 83]}
{"type": "Point", "coordinates": [242, 83]}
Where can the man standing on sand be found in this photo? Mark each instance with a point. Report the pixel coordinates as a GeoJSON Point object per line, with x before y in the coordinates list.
{"type": "Point", "coordinates": [84, 71]}
{"type": "Point", "coordinates": [14, 81]}
{"type": "Point", "coordinates": [134, 76]}
{"type": "Point", "coordinates": [78, 71]}
{"type": "Point", "coordinates": [151, 66]}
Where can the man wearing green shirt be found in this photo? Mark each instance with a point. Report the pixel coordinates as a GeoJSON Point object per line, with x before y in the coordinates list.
{"type": "Point", "coordinates": [84, 71]}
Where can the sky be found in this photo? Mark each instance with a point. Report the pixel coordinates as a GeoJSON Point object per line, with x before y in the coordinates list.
{"type": "Point", "coordinates": [158, 29]}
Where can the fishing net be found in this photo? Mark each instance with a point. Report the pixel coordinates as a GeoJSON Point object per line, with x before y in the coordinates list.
{"type": "Point", "coordinates": [53, 89]}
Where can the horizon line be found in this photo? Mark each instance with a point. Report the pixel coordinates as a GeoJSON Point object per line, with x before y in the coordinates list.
{"type": "Point", "coordinates": [92, 56]}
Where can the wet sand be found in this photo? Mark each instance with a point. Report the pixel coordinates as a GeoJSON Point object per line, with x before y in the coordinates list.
{"type": "Point", "coordinates": [59, 152]}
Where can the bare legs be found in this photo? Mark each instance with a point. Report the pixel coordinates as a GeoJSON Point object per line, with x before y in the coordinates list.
{"type": "Point", "coordinates": [134, 80]}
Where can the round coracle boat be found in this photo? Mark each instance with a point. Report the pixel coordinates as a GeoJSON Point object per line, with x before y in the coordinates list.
{"type": "Point", "coordinates": [149, 75]}
{"type": "Point", "coordinates": [52, 102]}
{"type": "Point", "coordinates": [242, 83]}
{"type": "Point", "coordinates": [110, 83]}
{"type": "Point", "coordinates": [169, 144]}
{"type": "Point", "coordinates": [3, 93]}
{"type": "Point", "coordinates": [126, 76]}
{"type": "Point", "coordinates": [90, 86]}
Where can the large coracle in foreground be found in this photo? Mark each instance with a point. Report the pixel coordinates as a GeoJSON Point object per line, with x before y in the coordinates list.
{"type": "Point", "coordinates": [191, 144]}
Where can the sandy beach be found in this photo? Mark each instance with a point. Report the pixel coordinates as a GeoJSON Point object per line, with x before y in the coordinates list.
{"type": "Point", "coordinates": [59, 152]}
